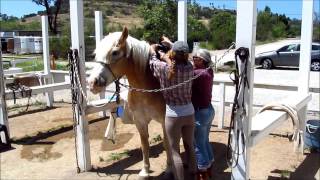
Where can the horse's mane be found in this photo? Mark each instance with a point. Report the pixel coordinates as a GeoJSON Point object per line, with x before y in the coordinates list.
{"type": "Point", "coordinates": [138, 50]}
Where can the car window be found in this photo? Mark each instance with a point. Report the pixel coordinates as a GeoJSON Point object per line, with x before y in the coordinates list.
{"type": "Point", "coordinates": [289, 48]}
{"type": "Point", "coordinates": [315, 47]}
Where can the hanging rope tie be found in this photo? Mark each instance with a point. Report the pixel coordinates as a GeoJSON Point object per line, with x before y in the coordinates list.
{"type": "Point", "coordinates": [240, 81]}
{"type": "Point", "coordinates": [75, 98]}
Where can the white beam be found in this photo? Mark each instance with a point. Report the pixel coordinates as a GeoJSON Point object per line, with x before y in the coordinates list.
{"type": "Point", "coordinates": [182, 20]}
{"type": "Point", "coordinates": [221, 107]}
{"type": "Point", "coordinates": [45, 44]}
{"type": "Point", "coordinates": [305, 57]}
{"type": "Point", "coordinates": [40, 89]}
{"type": "Point", "coordinates": [82, 139]}
{"type": "Point", "coordinates": [245, 37]}
{"type": "Point", "coordinates": [46, 57]}
{"type": "Point", "coordinates": [99, 36]}
{"type": "Point", "coordinates": [305, 48]}
{"type": "Point", "coordinates": [3, 105]}
{"type": "Point", "coordinates": [98, 26]}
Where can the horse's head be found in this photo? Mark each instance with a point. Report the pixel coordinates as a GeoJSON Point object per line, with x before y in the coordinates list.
{"type": "Point", "coordinates": [112, 55]}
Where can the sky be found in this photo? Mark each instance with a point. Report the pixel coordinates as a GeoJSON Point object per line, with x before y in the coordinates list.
{"type": "Point", "coordinates": [291, 8]}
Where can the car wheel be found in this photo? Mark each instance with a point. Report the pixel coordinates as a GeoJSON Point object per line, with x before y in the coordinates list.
{"type": "Point", "coordinates": [315, 66]}
{"type": "Point", "coordinates": [266, 64]}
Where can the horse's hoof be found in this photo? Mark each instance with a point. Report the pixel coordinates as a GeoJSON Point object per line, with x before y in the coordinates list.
{"type": "Point", "coordinates": [144, 173]}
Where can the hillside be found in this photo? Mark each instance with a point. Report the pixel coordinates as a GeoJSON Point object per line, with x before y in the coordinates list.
{"type": "Point", "coordinates": [115, 15]}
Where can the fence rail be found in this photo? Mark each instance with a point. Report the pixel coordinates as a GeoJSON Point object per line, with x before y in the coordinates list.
{"type": "Point", "coordinates": [221, 99]}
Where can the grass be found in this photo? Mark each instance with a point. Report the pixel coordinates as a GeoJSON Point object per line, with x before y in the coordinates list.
{"type": "Point", "coordinates": [156, 139]}
{"type": "Point", "coordinates": [285, 174]}
{"type": "Point", "coordinates": [37, 65]}
{"type": "Point", "coordinates": [117, 156]}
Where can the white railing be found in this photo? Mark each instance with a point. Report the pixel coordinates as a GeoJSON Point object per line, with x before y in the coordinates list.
{"type": "Point", "coordinates": [221, 99]}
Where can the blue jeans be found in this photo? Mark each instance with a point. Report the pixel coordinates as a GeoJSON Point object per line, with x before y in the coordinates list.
{"type": "Point", "coordinates": [203, 149]}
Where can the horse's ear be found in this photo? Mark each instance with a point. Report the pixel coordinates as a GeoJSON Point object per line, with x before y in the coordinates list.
{"type": "Point", "coordinates": [123, 38]}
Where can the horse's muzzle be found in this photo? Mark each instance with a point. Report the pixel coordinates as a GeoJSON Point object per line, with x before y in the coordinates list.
{"type": "Point", "coordinates": [97, 84]}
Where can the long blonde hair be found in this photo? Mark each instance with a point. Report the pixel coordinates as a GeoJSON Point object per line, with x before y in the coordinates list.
{"type": "Point", "coordinates": [182, 58]}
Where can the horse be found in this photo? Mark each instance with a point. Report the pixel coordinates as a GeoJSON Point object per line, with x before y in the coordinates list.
{"type": "Point", "coordinates": [117, 55]}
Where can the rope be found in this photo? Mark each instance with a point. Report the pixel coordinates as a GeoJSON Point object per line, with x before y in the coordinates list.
{"type": "Point", "coordinates": [240, 80]}
{"type": "Point", "coordinates": [179, 84]}
{"type": "Point", "coordinates": [74, 61]}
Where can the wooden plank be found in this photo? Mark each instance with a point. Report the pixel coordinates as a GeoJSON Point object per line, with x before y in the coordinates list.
{"type": "Point", "coordinates": [101, 105]}
{"type": "Point", "coordinates": [265, 122]}
{"type": "Point", "coordinates": [40, 89]}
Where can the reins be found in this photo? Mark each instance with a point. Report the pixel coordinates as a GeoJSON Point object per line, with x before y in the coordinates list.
{"type": "Point", "coordinates": [240, 81]}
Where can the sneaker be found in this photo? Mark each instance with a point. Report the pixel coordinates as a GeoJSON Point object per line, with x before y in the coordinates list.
{"type": "Point", "coordinates": [202, 175]}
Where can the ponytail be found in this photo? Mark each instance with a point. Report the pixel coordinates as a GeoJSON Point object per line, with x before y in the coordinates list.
{"type": "Point", "coordinates": [182, 58]}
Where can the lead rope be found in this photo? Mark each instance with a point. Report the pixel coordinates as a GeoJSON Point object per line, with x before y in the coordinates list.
{"type": "Point", "coordinates": [240, 79]}
{"type": "Point", "coordinates": [182, 83]}
{"type": "Point", "coordinates": [75, 97]}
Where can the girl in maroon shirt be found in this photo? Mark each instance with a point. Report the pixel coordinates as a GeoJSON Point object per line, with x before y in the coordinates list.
{"type": "Point", "coordinates": [204, 111]}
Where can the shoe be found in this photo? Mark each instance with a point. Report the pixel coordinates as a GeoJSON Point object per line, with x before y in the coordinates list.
{"type": "Point", "coordinates": [209, 171]}
{"type": "Point", "coordinates": [202, 175]}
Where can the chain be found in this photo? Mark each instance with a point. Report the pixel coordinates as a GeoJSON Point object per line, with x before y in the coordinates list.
{"type": "Point", "coordinates": [179, 84]}
{"type": "Point", "coordinates": [74, 63]}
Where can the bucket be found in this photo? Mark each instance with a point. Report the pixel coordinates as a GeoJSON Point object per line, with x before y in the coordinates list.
{"type": "Point", "coordinates": [120, 111]}
{"type": "Point", "coordinates": [312, 135]}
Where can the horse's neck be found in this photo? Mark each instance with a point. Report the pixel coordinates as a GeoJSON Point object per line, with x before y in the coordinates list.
{"type": "Point", "coordinates": [139, 74]}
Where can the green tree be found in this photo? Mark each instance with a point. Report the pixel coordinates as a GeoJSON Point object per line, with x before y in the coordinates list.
{"type": "Point", "coordinates": [51, 11]}
{"type": "Point", "coordinates": [197, 31]}
{"type": "Point", "coordinates": [160, 18]}
{"type": "Point", "coordinates": [223, 28]}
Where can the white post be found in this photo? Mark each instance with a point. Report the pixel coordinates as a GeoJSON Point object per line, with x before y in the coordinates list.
{"type": "Point", "coordinates": [182, 20]}
{"type": "Point", "coordinates": [99, 36]}
{"type": "Point", "coordinates": [305, 57]}
{"type": "Point", "coordinates": [246, 37]}
{"type": "Point", "coordinates": [98, 26]}
{"type": "Point", "coordinates": [221, 104]}
{"type": "Point", "coordinates": [46, 57]}
{"type": "Point", "coordinates": [82, 138]}
{"type": "Point", "coordinates": [3, 105]}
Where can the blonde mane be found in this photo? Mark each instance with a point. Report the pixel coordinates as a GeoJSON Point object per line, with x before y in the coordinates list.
{"type": "Point", "coordinates": [138, 50]}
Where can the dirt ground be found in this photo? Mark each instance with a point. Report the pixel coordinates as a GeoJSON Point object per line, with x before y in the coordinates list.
{"type": "Point", "coordinates": [43, 148]}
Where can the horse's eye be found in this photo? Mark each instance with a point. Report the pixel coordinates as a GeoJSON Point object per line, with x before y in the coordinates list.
{"type": "Point", "coordinates": [115, 53]}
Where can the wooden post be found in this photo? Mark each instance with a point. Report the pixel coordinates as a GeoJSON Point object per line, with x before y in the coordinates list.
{"type": "Point", "coordinates": [3, 104]}
{"type": "Point", "coordinates": [77, 37]}
{"type": "Point", "coordinates": [182, 20]}
{"type": "Point", "coordinates": [221, 104]}
{"type": "Point", "coordinates": [46, 58]}
{"type": "Point", "coordinates": [245, 37]}
{"type": "Point", "coordinates": [99, 36]}
{"type": "Point", "coordinates": [305, 57]}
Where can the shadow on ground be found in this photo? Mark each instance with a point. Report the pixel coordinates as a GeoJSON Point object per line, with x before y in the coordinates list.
{"type": "Point", "coordinates": [134, 156]}
{"type": "Point", "coordinates": [307, 170]}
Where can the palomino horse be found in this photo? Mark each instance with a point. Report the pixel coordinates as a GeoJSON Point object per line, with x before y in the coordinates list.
{"type": "Point", "coordinates": [121, 55]}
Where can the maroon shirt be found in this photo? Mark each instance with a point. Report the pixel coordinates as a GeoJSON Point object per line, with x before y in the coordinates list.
{"type": "Point", "coordinates": [202, 88]}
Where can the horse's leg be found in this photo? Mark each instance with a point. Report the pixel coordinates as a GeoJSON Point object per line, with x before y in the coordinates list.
{"type": "Point", "coordinates": [144, 136]}
{"type": "Point", "coordinates": [168, 151]}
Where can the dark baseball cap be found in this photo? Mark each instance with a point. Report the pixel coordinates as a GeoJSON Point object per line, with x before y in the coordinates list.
{"type": "Point", "coordinates": [180, 46]}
